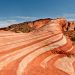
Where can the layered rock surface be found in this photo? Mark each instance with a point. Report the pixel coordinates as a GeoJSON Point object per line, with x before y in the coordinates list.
{"type": "Point", "coordinates": [43, 51]}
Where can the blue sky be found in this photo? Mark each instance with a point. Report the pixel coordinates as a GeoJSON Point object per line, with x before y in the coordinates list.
{"type": "Point", "coordinates": [16, 11]}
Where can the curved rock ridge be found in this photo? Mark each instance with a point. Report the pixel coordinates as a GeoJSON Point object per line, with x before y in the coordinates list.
{"type": "Point", "coordinates": [32, 25]}
{"type": "Point", "coordinates": [44, 51]}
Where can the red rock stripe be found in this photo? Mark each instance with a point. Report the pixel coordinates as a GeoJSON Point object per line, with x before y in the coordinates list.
{"type": "Point", "coordinates": [35, 54]}
{"type": "Point", "coordinates": [30, 37]}
{"type": "Point", "coordinates": [27, 37]}
{"type": "Point", "coordinates": [24, 44]}
{"type": "Point", "coordinates": [34, 46]}
{"type": "Point", "coordinates": [44, 62]}
{"type": "Point", "coordinates": [15, 56]}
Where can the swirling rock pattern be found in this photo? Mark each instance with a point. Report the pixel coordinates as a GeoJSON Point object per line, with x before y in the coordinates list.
{"type": "Point", "coordinates": [31, 53]}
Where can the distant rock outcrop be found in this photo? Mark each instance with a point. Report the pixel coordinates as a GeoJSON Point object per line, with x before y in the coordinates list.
{"type": "Point", "coordinates": [25, 27]}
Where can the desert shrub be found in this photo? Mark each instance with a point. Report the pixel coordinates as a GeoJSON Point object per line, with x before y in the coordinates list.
{"type": "Point", "coordinates": [23, 27]}
{"type": "Point", "coordinates": [73, 38]}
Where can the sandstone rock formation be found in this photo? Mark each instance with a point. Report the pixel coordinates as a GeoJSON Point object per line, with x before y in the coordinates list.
{"type": "Point", "coordinates": [43, 51]}
{"type": "Point", "coordinates": [27, 26]}
{"type": "Point", "coordinates": [66, 25]}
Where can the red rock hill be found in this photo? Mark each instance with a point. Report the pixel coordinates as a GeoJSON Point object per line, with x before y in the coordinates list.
{"type": "Point", "coordinates": [44, 50]}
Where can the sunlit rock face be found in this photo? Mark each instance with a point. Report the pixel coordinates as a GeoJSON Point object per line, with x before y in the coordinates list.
{"type": "Point", "coordinates": [62, 22]}
{"type": "Point", "coordinates": [41, 22]}
{"type": "Point", "coordinates": [43, 51]}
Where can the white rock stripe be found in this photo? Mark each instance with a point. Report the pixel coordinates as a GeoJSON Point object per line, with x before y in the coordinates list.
{"type": "Point", "coordinates": [6, 34]}
{"type": "Point", "coordinates": [10, 46]}
{"type": "Point", "coordinates": [32, 47]}
{"type": "Point", "coordinates": [26, 35]}
{"type": "Point", "coordinates": [9, 36]}
{"type": "Point", "coordinates": [46, 60]}
{"type": "Point", "coordinates": [26, 39]}
{"type": "Point", "coordinates": [4, 46]}
{"type": "Point", "coordinates": [4, 60]}
{"type": "Point", "coordinates": [24, 63]}
{"type": "Point", "coordinates": [65, 64]}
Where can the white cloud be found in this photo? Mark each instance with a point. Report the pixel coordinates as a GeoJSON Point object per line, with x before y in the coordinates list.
{"type": "Point", "coordinates": [5, 21]}
{"type": "Point", "coordinates": [25, 17]}
{"type": "Point", "coordinates": [71, 19]}
{"type": "Point", "coordinates": [69, 16]}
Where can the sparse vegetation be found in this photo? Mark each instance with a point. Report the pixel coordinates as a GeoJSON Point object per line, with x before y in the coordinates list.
{"type": "Point", "coordinates": [25, 28]}
{"type": "Point", "coordinates": [71, 35]}
{"type": "Point", "coordinates": [73, 38]}
{"type": "Point", "coordinates": [68, 54]}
